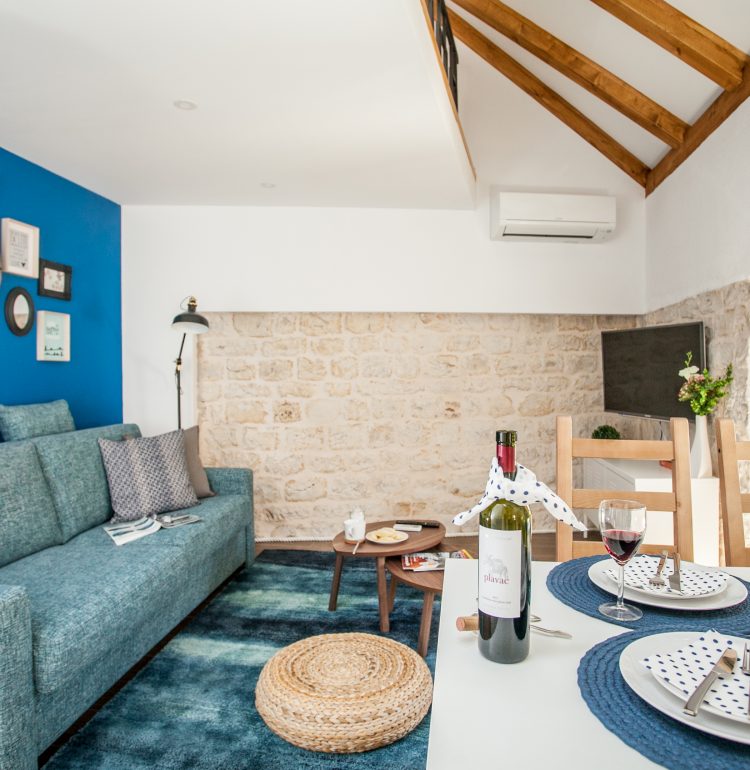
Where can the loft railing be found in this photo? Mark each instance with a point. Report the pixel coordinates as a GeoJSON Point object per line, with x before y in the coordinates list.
{"type": "Point", "coordinates": [441, 28]}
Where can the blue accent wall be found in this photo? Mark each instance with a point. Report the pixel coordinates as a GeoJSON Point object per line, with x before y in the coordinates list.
{"type": "Point", "coordinates": [81, 229]}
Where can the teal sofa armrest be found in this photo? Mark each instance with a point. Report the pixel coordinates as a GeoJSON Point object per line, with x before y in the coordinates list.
{"type": "Point", "coordinates": [18, 750]}
{"type": "Point", "coordinates": [236, 481]}
{"type": "Point", "coordinates": [231, 481]}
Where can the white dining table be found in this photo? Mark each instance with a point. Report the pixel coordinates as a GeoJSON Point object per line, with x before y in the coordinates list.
{"type": "Point", "coordinates": [527, 715]}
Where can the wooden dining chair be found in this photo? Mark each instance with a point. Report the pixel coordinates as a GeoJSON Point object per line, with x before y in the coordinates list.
{"type": "Point", "coordinates": [678, 501]}
{"type": "Point", "coordinates": [732, 501]}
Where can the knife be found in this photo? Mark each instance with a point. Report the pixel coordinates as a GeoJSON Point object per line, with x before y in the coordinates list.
{"type": "Point", "coordinates": [674, 579]}
{"type": "Point", "coordinates": [723, 667]}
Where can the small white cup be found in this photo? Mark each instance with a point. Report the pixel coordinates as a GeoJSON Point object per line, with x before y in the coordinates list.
{"type": "Point", "coordinates": [354, 530]}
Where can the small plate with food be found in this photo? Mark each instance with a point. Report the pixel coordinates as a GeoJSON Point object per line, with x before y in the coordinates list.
{"type": "Point", "coordinates": [386, 536]}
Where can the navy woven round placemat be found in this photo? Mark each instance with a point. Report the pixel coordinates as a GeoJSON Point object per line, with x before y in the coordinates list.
{"type": "Point", "coordinates": [658, 737]}
{"type": "Point", "coordinates": [570, 583]}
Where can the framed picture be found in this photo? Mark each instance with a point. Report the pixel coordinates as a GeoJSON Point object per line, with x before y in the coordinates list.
{"type": "Point", "coordinates": [19, 248]}
{"type": "Point", "coordinates": [54, 279]}
{"type": "Point", "coordinates": [52, 336]}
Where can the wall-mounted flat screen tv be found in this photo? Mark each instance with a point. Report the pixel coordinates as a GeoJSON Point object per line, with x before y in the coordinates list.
{"type": "Point", "coordinates": [641, 366]}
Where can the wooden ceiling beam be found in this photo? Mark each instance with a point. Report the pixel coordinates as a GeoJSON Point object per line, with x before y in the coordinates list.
{"type": "Point", "coordinates": [548, 98]}
{"type": "Point", "coordinates": [722, 107]}
{"type": "Point", "coordinates": [684, 37]}
{"type": "Point", "coordinates": [573, 64]}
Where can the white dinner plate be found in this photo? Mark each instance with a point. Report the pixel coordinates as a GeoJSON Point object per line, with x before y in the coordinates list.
{"type": "Point", "coordinates": [727, 698]}
{"type": "Point", "coordinates": [644, 684]}
{"type": "Point", "coordinates": [734, 594]}
{"type": "Point", "coordinates": [370, 536]}
{"type": "Point", "coordinates": [698, 581]}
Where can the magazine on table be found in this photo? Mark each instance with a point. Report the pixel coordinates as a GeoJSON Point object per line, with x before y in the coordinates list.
{"type": "Point", "coordinates": [128, 531]}
{"type": "Point", "coordinates": [430, 561]}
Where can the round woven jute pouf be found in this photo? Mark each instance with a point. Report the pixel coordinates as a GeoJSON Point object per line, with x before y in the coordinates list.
{"type": "Point", "coordinates": [342, 693]}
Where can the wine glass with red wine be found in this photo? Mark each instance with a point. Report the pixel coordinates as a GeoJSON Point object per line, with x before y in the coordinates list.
{"type": "Point", "coordinates": [623, 525]}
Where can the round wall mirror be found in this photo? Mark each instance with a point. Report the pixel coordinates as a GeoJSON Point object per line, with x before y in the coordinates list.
{"type": "Point", "coordinates": [19, 311]}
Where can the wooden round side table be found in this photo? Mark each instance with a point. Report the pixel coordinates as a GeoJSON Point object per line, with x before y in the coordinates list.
{"type": "Point", "coordinates": [430, 583]}
{"type": "Point", "coordinates": [428, 538]}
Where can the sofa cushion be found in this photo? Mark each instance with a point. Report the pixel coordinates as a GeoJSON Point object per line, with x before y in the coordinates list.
{"type": "Point", "coordinates": [198, 477]}
{"type": "Point", "coordinates": [30, 420]}
{"type": "Point", "coordinates": [85, 601]}
{"type": "Point", "coordinates": [223, 517]}
{"type": "Point", "coordinates": [73, 466]}
{"type": "Point", "coordinates": [28, 521]}
{"type": "Point", "coordinates": [147, 476]}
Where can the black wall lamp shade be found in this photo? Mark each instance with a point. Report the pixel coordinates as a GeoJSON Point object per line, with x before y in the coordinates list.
{"type": "Point", "coordinates": [190, 322]}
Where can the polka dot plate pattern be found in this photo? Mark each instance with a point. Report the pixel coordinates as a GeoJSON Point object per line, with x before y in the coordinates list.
{"type": "Point", "coordinates": [694, 582]}
{"type": "Point", "coordinates": [683, 670]}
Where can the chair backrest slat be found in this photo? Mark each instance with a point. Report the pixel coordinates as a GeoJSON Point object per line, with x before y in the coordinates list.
{"type": "Point", "coordinates": [622, 449]}
{"type": "Point", "coordinates": [678, 501]}
{"type": "Point", "coordinates": [590, 498]}
{"type": "Point", "coordinates": [732, 501]}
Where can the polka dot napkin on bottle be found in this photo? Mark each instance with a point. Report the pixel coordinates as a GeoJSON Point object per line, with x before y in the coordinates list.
{"type": "Point", "coordinates": [524, 490]}
{"type": "Point", "coordinates": [694, 582]}
{"type": "Point", "coordinates": [683, 670]}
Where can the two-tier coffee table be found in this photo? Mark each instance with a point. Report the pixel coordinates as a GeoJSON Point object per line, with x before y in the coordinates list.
{"type": "Point", "coordinates": [430, 583]}
{"type": "Point", "coordinates": [428, 538]}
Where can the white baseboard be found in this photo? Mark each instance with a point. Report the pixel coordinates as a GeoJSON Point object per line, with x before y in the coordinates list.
{"type": "Point", "coordinates": [325, 539]}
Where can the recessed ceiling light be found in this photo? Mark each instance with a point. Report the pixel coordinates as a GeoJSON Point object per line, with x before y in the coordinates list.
{"type": "Point", "coordinates": [268, 185]}
{"type": "Point", "coordinates": [185, 104]}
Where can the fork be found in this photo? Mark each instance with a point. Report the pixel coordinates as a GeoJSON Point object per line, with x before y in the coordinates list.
{"type": "Point", "coordinates": [534, 619]}
{"type": "Point", "coordinates": [556, 632]}
{"type": "Point", "coordinates": [471, 623]}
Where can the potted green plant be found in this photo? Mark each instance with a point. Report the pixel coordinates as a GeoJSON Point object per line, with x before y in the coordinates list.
{"type": "Point", "coordinates": [703, 391]}
{"type": "Point", "coordinates": [606, 432]}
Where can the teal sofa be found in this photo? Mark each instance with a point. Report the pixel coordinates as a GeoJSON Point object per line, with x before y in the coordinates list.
{"type": "Point", "coordinates": [77, 611]}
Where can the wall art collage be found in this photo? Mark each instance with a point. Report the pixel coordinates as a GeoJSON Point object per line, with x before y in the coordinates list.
{"type": "Point", "coordinates": [19, 255]}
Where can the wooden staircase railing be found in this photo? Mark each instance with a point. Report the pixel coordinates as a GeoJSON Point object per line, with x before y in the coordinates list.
{"type": "Point", "coordinates": [441, 28]}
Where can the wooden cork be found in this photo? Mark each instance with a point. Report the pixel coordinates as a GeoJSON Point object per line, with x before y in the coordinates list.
{"type": "Point", "coordinates": [467, 623]}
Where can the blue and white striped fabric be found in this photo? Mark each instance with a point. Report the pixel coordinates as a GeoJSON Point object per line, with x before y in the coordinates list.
{"type": "Point", "coordinates": [524, 490]}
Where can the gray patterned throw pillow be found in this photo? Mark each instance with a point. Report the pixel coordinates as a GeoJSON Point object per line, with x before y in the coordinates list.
{"type": "Point", "coordinates": [147, 476]}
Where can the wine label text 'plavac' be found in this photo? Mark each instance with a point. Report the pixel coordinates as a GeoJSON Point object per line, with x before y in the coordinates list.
{"type": "Point", "coordinates": [500, 572]}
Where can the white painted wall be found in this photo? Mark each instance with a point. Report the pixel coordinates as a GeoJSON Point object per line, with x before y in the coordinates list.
{"type": "Point", "coordinates": [328, 100]}
{"type": "Point", "coordinates": [318, 259]}
{"type": "Point", "coordinates": [698, 219]}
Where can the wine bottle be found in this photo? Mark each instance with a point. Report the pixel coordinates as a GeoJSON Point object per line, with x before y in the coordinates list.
{"type": "Point", "coordinates": [505, 569]}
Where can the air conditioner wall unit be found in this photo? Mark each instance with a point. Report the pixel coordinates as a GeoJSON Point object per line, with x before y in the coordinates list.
{"type": "Point", "coordinates": [552, 217]}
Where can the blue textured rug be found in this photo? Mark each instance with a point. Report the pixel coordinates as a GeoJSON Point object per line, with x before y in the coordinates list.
{"type": "Point", "coordinates": [193, 706]}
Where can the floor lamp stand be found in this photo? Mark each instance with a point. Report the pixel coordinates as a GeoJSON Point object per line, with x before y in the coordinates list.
{"type": "Point", "coordinates": [177, 376]}
{"type": "Point", "coordinates": [189, 322]}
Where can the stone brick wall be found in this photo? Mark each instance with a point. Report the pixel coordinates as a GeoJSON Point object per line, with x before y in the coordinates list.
{"type": "Point", "coordinates": [392, 412]}
{"type": "Point", "coordinates": [396, 412]}
{"type": "Point", "coordinates": [726, 315]}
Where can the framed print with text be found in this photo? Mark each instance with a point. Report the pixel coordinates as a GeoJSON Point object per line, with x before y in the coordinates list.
{"type": "Point", "coordinates": [52, 336]}
{"type": "Point", "coordinates": [19, 248]}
